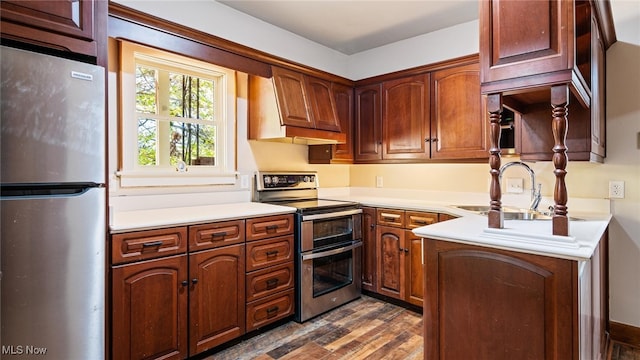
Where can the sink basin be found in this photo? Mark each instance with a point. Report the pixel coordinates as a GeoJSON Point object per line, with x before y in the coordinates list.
{"type": "Point", "coordinates": [510, 213]}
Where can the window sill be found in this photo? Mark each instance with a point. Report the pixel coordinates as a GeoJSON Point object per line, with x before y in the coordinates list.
{"type": "Point", "coordinates": [129, 179]}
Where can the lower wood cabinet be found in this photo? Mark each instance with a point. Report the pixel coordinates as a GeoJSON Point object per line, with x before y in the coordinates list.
{"type": "Point", "coordinates": [217, 297]}
{"type": "Point", "coordinates": [488, 303]}
{"type": "Point", "coordinates": [369, 249]}
{"type": "Point", "coordinates": [171, 300]}
{"type": "Point", "coordinates": [399, 269]}
{"type": "Point", "coordinates": [149, 317]}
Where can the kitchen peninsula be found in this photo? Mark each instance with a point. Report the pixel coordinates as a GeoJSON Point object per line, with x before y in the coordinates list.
{"type": "Point", "coordinates": [511, 292]}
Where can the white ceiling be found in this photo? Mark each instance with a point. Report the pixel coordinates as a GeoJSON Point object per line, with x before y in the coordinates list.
{"type": "Point", "coordinates": [352, 26]}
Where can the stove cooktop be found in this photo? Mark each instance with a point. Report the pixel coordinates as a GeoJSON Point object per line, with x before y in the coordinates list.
{"type": "Point", "coordinates": [312, 205]}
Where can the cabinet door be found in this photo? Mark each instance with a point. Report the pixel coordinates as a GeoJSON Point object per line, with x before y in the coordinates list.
{"type": "Point", "coordinates": [482, 299]}
{"type": "Point", "coordinates": [149, 317]}
{"type": "Point", "coordinates": [369, 249]}
{"type": "Point", "coordinates": [598, 99]}
{"type": "Point", "coordinates": [322, 104]}
{"type": "Point", "coordinates": [217, 298]}
{"type": "Point", "coordinates": [368, 136]}
{"type": "Point", "coordinates": [292, 98]}
{"type": "Point", "coordinates": [63, 25]}
{"type": "Point", "coordinates": [459, 127]}
{"type": "Point", "coordinates": [343, 96]}
{"type": "Point", "coordinates": [414, 269]}
{"type": "Point", "coordinates": [514, 46]}
{"type": "Point", "coordinates": [391, 271]}
{"type": "Point", "coordinates": [405, 118]}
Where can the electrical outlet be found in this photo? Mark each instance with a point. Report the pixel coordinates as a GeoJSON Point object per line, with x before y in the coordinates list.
{"type": "Point", "coordinates": [379, 181]}
{"type": "Point", "coordinates": [244, 181]}
{"type": "Point", "coordinates": [616, 189]}
{"type": "Point", "coordinates": [515, 185]}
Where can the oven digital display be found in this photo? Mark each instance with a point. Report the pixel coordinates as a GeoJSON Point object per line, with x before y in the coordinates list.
{"type": "Point", "coordinates": [287, 181]}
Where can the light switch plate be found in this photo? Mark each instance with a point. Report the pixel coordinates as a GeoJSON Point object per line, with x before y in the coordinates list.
{"type": "Point", "coordinates": [515, 185]}
{"type": "Point", "coordinates": [244, 181]}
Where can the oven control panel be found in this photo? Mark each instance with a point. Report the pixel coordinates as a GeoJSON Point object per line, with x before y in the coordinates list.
{"type": "Point", "coordinates": [281, 180]}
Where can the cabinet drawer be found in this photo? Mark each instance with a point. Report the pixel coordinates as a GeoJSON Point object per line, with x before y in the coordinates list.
{"type": "Point", "coordinates": [269, 281]}
{"type": "Point", "coordinates": [266, 227]}
{"type": "Point", "coordinates": [213, 235]}
{"type": "Point", "coordinates": [390, 217]}
{"type": "Point", "coordinates": [148, 244]}
{"type": "Point", "coordinates": [264, 253]}
{"type": "Point", "coordinates": [270, 309]}
{"type": "Point", "coordinates": [414, 219]}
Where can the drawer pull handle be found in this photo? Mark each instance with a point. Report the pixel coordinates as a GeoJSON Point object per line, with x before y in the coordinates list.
{"type": "Point", "coordinates": [272, 283]}
{"type": "Point", "coordinates": [425, 221]}
{"type": "Point", "coordinates": [272, 227]}
{"type": "Point", "coordinates": [152, 244]}
{"type": "Point", "coordinates": [272, 311]}
{"type": "Point", "coordinates": [390, 217]}
{"type": "Point", "coordinates": [272, 253]}
{"type": "Point", "coordinates": [218, 235]}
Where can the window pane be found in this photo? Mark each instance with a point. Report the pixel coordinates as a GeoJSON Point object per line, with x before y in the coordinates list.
{"type": "Point", "coordinates": [147, 140]}
{"type": "Point", "coordinates": [145, 89]}
{"type": "Point", "coordinates": [192, 143]}
{"type": "Point", "coordinates": [191, 97]}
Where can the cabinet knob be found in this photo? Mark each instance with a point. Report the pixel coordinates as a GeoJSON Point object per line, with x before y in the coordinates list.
{"type": "Point", "coordinates": [430, 140]}
{"type": "Point", "coordinates": [185, 283]}
{"type": "Point", "coordinates": [194, 281]}
{"type": "Point", "coordinates": [406, 250]}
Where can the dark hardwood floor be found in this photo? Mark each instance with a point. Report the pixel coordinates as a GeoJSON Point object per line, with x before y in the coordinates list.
{"type": "Point", "coordinates": [366, 328]}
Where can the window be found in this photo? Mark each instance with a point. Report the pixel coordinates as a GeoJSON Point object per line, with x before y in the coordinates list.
{"type": "Point", "coordinates": [177, 119]}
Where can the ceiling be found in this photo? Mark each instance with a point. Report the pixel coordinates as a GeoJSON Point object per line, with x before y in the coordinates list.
{"type": "Point", "coordinates": [353, 26]}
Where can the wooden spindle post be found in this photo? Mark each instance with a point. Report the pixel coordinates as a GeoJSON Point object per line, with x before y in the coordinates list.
{"type": "Point", "coordinates": [494, 107]}
{"type": "Point", "coordinates": [559, 103]}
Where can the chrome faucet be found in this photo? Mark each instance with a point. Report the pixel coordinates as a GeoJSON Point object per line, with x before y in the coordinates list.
{"type": "Point", "coordinates": [535, 194]}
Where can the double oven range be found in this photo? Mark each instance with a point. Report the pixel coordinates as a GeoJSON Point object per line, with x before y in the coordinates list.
{"type": "Point", "coordinates": [328, 241]}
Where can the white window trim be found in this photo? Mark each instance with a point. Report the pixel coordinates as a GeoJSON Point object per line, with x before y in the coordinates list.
{"type": "Point", "coordinates": [133, 175]}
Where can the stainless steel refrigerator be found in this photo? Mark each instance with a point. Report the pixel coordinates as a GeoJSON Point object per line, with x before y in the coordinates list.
{"type": "Point", "coordinates": [52, 208]}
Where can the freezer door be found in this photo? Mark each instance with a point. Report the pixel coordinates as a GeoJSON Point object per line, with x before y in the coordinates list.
{"type": "Point", "coordinates": [53, 119]}
{"type": "Point", "coordinates": [53, 276]}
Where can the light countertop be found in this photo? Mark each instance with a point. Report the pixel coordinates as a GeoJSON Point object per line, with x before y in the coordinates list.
{"type": "Point", "coordinates": [132, 220]}
{"type": "Point", "coordinates": [528, 236]}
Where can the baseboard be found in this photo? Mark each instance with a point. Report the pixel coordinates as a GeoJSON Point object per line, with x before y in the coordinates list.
{"type": "Point", "coordinates": [624, 333]}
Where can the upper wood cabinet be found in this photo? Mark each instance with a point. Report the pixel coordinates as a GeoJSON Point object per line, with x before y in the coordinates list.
{"type": "Point", "coordinates": [293, 107]}
{"type": "Point", "coordinates": [338, 153]}
{"type": "Point", "coordinates": [292, 96]}
{"type": "Point", "coordinates": [305, 101]}
{"type": "Point", "coordinates": [368, 123]}
{"type": "Point", "coordinates": [434, 115]}
{"type": "Point", "coordinates": [71, 26]}
{"type": "Point", "coordinates": [524, 38]}
{"type": "Point", "coordinates": [405, 118]}
{"type": "Point", "coordinates": [459, 126]}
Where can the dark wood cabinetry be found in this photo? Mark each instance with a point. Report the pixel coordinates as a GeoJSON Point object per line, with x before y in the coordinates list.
{"type": "Point", "coordinates": [391, 272]}
{"type": "Point", "coordinates": [551, 57]}
{"type": "Point", "coordinates": [436, 114]}
{"type": "Point", "coordinates": [269, 270]}
{"type": "Point", "coordinates": [338, 153]}
{"type": "Point", "coordinates": [405, 118]}
{"type": "Point", "coordinates": [459, 126]}
{"type": "Point", "coordinates": [399, 269]}
{"type": "Point", "coordinates": [368, 123]}
{"type": "Point", "coordinates": [171, 301]}
{"type": "Point", "coordinates": [149, 317]}
{"type": "Point", "coordinates": [69, 26]}
{"type": "Point", "coordinates": [488, 303]}
{"type": "Point", "coordinates": [216, 297]}
{"type": "Point", "coordinates": [369, 249]}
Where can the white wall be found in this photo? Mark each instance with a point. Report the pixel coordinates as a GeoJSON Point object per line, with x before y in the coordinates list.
{"type": "Point", "coordinates": [583, 179]}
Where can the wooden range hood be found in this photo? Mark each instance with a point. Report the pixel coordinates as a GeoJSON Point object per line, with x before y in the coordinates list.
{"type": "Point", "coordinates": [294, 108]}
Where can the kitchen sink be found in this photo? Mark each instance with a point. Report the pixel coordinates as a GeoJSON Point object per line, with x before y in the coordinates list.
{"type": "Point", "coordinates": [511, 213]}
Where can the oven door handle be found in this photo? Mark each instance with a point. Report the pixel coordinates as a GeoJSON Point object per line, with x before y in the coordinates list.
{"type": "Point", "coordinates": [331, 215]}
{"type": "Point", "coordinates": [337, 251]}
